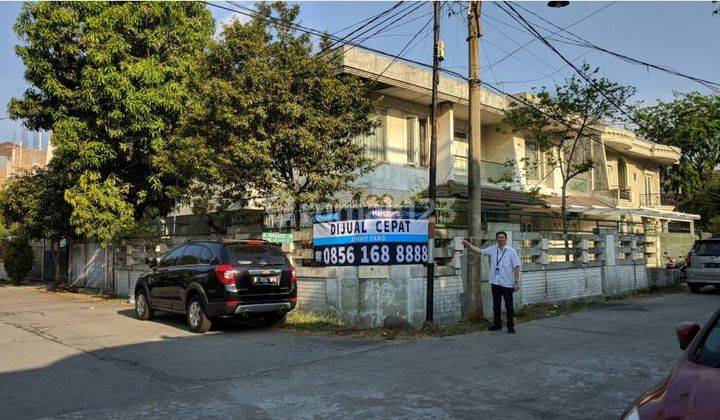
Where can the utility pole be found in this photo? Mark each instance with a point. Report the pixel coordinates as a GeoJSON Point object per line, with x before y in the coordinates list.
{"type": "Point", "coordinates": [474, 301]}
{"type": "Point", "coordinates": [430, 290]}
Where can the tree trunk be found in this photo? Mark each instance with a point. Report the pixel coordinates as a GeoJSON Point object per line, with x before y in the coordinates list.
{"type": "Point", "coordinates": [563, 210]}
{"type": "Point", "coordinates": [59, 277]}
{"type": "Point", "coordinates": [296, 213]}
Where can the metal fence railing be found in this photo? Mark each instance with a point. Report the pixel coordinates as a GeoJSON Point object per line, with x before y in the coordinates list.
{"type": "Point", "coordinates": [455, 215]}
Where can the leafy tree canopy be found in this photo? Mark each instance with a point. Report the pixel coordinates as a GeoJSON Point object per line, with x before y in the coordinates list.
{"type": "Point", "coordinates": [692, 123]}
{"type": "Point", "coordinates": [271, 120]}
{"type": "Point", "coordinates": [565, 121]}
{"type": "Point", "coordinates": [111, 81]}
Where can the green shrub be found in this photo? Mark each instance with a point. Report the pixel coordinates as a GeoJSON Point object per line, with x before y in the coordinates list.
{"type": "Point", "coordinates": [19, 258]}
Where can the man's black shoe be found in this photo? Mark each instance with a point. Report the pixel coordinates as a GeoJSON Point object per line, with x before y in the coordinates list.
{"type": "Point", "coordinates": [494, 328]}
{"type": "Point", "coordinates": [511, 330]}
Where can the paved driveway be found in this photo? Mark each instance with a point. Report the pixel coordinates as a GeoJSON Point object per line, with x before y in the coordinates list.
{"type": "Point", "coordinates": [75, 357]}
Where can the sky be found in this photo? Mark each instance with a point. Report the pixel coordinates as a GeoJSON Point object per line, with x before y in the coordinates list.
{"type": "Point", "coordinates": [681, 35]}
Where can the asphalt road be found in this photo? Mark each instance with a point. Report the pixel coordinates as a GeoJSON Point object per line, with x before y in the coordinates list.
{"type": "Point", "coordinates": [79, 358]}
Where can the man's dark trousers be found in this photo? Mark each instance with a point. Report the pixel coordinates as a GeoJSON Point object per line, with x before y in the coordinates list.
{"type": "Point", "coordinates": [505, 293]}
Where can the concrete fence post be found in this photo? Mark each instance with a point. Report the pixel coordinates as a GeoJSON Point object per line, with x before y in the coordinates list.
{"type": "Point", "coordinates": [544, 249]}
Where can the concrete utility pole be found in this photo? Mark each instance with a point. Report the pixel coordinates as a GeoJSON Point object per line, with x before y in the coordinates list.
{"type": "Point", "coordinates": [429, 298]}
{"type": "Point", "coordinates": [474, 301]}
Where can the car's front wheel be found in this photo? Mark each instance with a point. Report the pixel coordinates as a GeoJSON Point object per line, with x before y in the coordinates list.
{"type": "Point", "coordinates": [196, 318]}
{"type": "Point", "coordinates": [694, 287]}
{"type": "Point", "coordinates": [143, 311]}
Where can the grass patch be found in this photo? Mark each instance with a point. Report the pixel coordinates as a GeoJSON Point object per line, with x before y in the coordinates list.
{"type": "Point", "coordinates": [309, 322]}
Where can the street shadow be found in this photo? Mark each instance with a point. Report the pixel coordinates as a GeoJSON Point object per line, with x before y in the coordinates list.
{"type": "Point", "coordinates": [179, 321]}
{"type": "Point", "coordinates": [53, 379]}
{"type": "Point", "coordinates": [709, 290]}
{"type": "Point", "coordinates": [26, 283]}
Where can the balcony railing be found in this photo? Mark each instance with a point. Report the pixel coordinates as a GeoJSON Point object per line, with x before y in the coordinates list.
{"type": "Point", "coordinates": [650, 200]}
{"type": "Point", "coordinates": [621, 193]}
{"type": "Point", "coordinates": [490, 172]}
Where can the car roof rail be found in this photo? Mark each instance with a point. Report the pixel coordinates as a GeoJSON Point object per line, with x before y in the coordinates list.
{"type": "Point", "coordinates": [190, 240]}
{"type": "Point", "coordinates": [249, 240]}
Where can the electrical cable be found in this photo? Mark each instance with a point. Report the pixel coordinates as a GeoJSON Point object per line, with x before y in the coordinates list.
{"type": "Point", "coordinates": [612, 100]}
{"type": "Point", "coordinates": [585, 43]}
{"type": "Point", "coordinates": [533, 39]}
{"type": "Point", "coordinates": [316, 32]}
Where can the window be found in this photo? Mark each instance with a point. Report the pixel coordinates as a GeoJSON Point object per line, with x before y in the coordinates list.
{"type": "Point", "coordinates": [416, 141]}
{"type": "Point", "coordinates": [239, 253]}
{"type": "Point", "coordinates": [707, 249]}
{"type": "Point", "coordinates": [171, 258]}
{"type": "Point", "coordinates": [374, 143]}
{"type": "Point", "coordinates": [709, 351]}
{"type": "Point", "coordinates": [424, 150]}
{"type": "Point", "coordinates": [532, 161]}
{"type": "Point", "coordinates": [205, 256]}
{"type": "Point", "coordinates": [460, 155]}
{"type": "Point", "coordinates": [190, 256]}
{"type": "Point", "coordinates": [411, 140]}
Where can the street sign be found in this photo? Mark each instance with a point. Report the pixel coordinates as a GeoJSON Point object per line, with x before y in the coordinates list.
{"type": "Point", "coordinates": [370, 237]}
{"type": "Point", "coordinates": [277, 237]}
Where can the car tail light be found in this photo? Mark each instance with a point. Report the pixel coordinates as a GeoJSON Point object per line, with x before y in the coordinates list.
{"type": "Point", "coordinates": [293, 276]}
{"type": "Point", "coordinates": [254, 242]}
{"type": "Point", "coordinates": [226, 274]}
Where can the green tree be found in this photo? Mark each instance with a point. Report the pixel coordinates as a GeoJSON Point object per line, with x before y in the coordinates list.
{"type": "Point", "coordinates": [34, 205]}
{"type": "Point", "coordinates": [19, 257]}
{"type": "Point", "coordinates": [111, 81]}
{"type": "Point", "coordinates": [692, 123]}
{"type": "Point", "coordinates": [565, 121]}
{"type": "Point", "coordinates": [273, 121]}
{"type": "Point", "coordinates": [713, 226]}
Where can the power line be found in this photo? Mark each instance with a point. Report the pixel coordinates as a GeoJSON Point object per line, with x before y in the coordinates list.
{"type": "Point", "coordinates": [399, 54]}
{"type": "Point", "coordinates": [559, 69]}
{"type": "Point", "coordinates": [363, 30]}
{"type": "Point", "coordinates": [316, 32]}
{"type": "Point", "coordinates": [534, 39]}
{"type": "Point", "coordinates": [585, 43]}
{"type": "Point", "coordinates": [582, 74]}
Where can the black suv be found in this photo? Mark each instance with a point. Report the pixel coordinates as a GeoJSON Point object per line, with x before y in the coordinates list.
{"type": "Point", "coordinates": [210, 280]}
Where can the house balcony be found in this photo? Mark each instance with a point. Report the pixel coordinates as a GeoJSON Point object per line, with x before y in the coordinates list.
{"type": "Point", "coordinates": [650, 200]}
{"type": "Point", "coordinates": [614, 195]}
{"type": "Point", "coordinates": [491, 173]}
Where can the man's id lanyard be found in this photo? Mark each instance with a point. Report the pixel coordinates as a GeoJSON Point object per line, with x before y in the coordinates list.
{"type": "Point", "coordinates": [498, 259]}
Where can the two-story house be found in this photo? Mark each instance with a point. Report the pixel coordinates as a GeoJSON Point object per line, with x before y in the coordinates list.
{"type": "Point", "coordinates": [624, 184]}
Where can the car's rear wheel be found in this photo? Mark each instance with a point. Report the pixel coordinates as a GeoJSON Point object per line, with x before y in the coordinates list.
{"type": "Point", "coordinates": [196, 318]}
{"type": "Point", "coordinates": [273, 319]}
{"type": "Point", "coordinates": [694, 287]}
{"type": "Point", "coordinates": [143, 311]}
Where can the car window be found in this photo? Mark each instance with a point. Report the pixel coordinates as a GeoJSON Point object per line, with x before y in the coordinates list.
{"type": "Point", "coordinates": [707, 248]}
{"type": "Point", "coordinates": [171, 258]}
{"type": "Point", "coordinates": [190, 256]}
{"type": "Point", "coordinates": [204, 256]}
{"type": "Point", "coordinates": [709, 350]}
{"type": "Point", "coordinates": [241, 253]}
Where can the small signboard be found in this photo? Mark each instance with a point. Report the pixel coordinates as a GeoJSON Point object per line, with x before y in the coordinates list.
{"type": "Point", "coordinates": [370, 237]}
{"type": "Point", "coordinates": [277, 237]}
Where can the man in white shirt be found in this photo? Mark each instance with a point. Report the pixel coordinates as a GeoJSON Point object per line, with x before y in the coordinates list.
{"type": "Point", "coordinates": [504, 277]}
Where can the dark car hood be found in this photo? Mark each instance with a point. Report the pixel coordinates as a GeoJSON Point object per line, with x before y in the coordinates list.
{"type": "Point", "coordinates": [691, 391]}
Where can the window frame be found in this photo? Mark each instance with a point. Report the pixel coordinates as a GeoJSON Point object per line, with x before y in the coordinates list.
{"type": "Point", "coordinates": [167, 256]}
{"type": "Point", "coordinates": [381, 129]}
{"type": "Point", "coordinates": [415, 140]}
{"type": "Point", "coordinates": [539, 166]}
